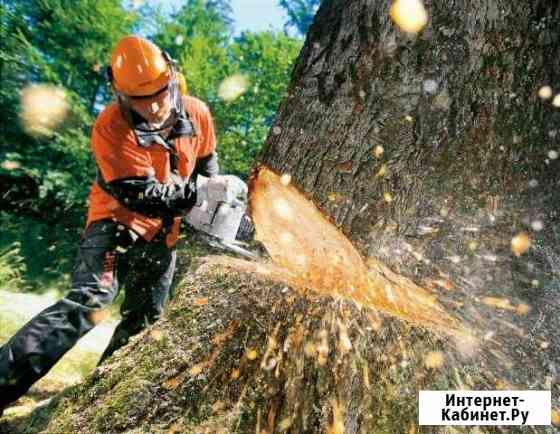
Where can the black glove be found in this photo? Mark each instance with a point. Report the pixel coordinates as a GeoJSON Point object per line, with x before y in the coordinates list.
{"type": "Point", "coordinates": [147, 196]}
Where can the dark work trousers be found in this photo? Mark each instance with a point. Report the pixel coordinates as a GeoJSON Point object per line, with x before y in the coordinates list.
{"type": "Point", "coordinates": [109, 256]}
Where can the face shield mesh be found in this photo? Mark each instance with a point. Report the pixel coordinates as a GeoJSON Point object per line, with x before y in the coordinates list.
{"type": "Point", "coordinates": [178, 121]}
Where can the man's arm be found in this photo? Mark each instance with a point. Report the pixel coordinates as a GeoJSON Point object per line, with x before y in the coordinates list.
{"type": "Point", "coordinates": [207, 166]}
{"type": "Point", "coordinates": [207, 158]}
{"type": "Point", "coordinates": [126, 173]}
{"type": "Point", "coordinates": [148, 196]}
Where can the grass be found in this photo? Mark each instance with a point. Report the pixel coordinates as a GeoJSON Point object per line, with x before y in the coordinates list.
{"type": "Point", "coordinates": [12, 268]}
{"type": "Point", "coordinates": [70, 370]}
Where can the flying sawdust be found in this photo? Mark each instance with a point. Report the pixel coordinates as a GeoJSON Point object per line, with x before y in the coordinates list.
{"type": "Point", "coordinates": [233, 87]}
{"type": "Point", "coordinates": [309, 253]}
{"type": "Point", "coordinates": [43, 108]}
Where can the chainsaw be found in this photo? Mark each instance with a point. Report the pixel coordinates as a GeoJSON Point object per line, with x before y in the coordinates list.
{"type": "Point", "coordinates": [220, 214]}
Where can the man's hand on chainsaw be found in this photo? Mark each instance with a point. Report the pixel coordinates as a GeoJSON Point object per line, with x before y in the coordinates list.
{"type": "Point", "coordinates": [220, 211]}
{"type": "Point", "coordinates": [220, 188]}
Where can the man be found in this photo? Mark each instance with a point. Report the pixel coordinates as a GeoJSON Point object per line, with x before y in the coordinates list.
{"type": "Point", "coordinates": [149, 146]}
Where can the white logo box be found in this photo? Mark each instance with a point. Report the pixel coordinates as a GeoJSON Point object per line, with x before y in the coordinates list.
{"type": "Point", "coordinates": [479, 407]}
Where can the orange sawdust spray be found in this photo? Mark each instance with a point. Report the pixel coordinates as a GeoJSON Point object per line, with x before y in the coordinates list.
{"type": "Point", "coordinates": [310, 253]}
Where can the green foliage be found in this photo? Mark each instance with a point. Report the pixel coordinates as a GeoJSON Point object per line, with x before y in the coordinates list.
{"type": "Point", "coordinates": [12, 266]}
{"type": "Point", "coordinates": [40, 46]}
{"type": "Point", "coordinates": [266, 60]}
{"type": "Point", "coordinates": [59, 43]}
{"type": "Point", "coordinates": [300, 13]}
{"type": "Point", "coordinates": [199, 37]}
{"type": "Point", "coordinates": [47, 251]}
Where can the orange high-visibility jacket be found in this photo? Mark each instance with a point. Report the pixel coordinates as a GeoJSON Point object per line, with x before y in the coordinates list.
{"type": "Point", "coordinates": [118, 155]}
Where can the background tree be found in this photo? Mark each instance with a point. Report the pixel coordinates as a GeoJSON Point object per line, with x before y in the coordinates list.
{"type": "Point", "coordinates": [45, 176]}
{"type": "Point", "coordinates": [265, 60]}
{"type": "Point", "coordinates": [200, 37]}
{"type": "Point", "coordinates": [300, 13]}
{"type": "Point", "coordinates": [197, 36]}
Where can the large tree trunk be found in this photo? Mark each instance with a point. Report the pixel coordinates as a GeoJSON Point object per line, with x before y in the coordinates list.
{"type": "Point", "coordinates": [454, 109]}
{"type": "Point", "coordinates": [432, 152]}
{"type": "Point", "coordinates": [421, 149]}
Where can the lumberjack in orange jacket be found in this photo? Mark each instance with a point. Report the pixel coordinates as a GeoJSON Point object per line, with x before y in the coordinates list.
{"type": "Point", "coordinates": [122, 162]}
{"type": "Point", "coordinates": [148, 147]}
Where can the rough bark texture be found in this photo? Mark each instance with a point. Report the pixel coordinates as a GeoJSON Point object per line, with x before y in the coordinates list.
{"type": "Point", "coordinates": [456, 112]}
{"type": "Point", "coordinates": [239, 354]}
{"type": "Point", "coordinates": [465, 153]}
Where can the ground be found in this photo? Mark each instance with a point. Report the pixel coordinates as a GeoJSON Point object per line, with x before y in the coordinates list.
{"type": "Point", "coordinates": [238, 352]}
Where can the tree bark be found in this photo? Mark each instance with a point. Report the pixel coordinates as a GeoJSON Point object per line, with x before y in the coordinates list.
{"type": "Point", "coordinates": [455, 110]}
{"type": "Point", "coordinates": [432, 144]}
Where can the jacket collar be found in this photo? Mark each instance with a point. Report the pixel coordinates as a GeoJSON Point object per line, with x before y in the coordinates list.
{"type": "Point", "coordinates": [180, 123]}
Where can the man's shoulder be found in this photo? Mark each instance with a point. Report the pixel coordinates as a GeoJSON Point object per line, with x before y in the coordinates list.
{"type": "Point", "coordinates": [195, 106]}
{"type": "Point", "coordinates": [111, 119]}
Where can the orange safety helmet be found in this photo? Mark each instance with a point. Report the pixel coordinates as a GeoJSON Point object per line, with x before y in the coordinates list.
{"type": "Point", "coordinates": [139, 67]}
